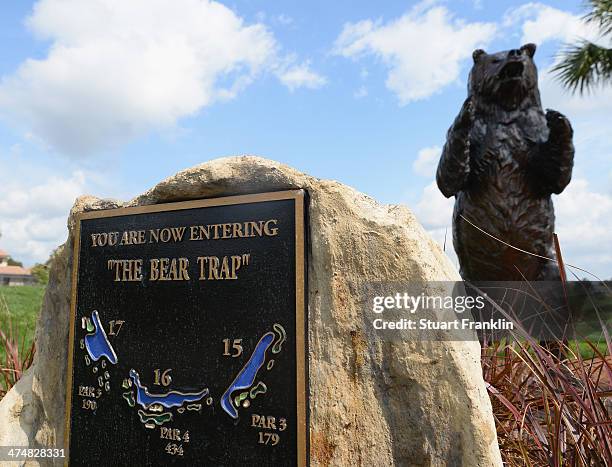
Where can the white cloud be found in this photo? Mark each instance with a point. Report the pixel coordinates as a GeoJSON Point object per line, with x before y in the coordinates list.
{"type": "Point", "coordinates": [33, 216]}
{"type": "Point", "coordinates": [433, 210]}
{"type": "Point", "coordinates": [361, 92]}
{"type": "Point", "coordinates": [423, 49]}
{"type": "Point", "coordinates": [435, 213]}
{"type": "Point", "coordinates": [541, 23]}
{"type": "Point", "coordinates": [51, 197]}
{"type": "Point", "coordinates": [284, 19]}
{"type": "Point", "coordinates": [116, 69]}
{"type": "Point", "coordinates": [297, 76]}
{"type": "Point", "coordinates": [574, 104]}
{"type": "Point", "coordinates": [427, 161]}
{"type": "Point", "coordinates": [584, 223]}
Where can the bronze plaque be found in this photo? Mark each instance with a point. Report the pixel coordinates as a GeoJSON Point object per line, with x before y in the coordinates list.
{"type": "Point", "coordinates": [188, 334]}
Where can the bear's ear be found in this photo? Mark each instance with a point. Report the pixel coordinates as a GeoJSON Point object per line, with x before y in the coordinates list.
{"type": "Point", "coordinates": [477, 54]}
{"type": "Point", "coordinates": [530, 49]}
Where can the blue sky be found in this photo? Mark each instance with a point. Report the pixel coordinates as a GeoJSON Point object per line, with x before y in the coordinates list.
{"type": "Point", "coordinates": [108, 97]}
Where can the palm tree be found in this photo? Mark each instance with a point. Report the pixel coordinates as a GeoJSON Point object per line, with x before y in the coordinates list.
{"type": "Point", "coordinates": [585, 65]}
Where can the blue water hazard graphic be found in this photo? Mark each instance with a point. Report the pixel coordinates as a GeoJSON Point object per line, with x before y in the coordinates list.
{"type": "Point", "coordinates": [247, 375]}
{"type": "Point", "coordinates": [97, 343]}
{"type": "Point", "coordinates": [168, 400]}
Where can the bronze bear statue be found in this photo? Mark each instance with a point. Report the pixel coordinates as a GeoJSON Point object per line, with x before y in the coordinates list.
{"type": "Point", "coordinates": [502, 160]}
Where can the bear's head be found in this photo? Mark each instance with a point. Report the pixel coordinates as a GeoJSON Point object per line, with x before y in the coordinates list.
{"type": "Point", "coordinates": [507, 78]}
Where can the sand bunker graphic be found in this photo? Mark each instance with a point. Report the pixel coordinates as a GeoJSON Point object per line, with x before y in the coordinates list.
{"type": "Point", "coordinates": [245, 379]}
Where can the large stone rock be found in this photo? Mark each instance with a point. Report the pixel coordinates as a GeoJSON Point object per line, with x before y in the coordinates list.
{"type": "Point", "coordinates": [372, 402]}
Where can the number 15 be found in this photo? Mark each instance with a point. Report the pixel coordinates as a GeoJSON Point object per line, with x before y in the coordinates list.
{"type": "Point", "coordinates": [232, 344]}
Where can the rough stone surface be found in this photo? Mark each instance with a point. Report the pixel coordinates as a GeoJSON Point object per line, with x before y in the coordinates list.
{"type": "Point", "coordinates": [371, 402]}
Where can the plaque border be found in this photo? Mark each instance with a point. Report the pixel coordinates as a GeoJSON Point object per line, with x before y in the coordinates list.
{"type": "Point", "coordinates": [301, 321]}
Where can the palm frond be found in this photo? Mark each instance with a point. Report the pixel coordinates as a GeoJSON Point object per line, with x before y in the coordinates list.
{"type": "Point", "coordinates": [584, 66]}
{"type": "Point", "coordinates": [601, 15]}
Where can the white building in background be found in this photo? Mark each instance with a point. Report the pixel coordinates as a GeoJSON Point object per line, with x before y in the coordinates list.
{"type": "Point", "coordinates": [13, 275]}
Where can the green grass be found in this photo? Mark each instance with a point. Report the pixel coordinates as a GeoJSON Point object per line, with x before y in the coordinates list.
{"type": "Point", "coordinates": [24, 306]}
{"type": "Point", "coordinates": [585, 349]}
